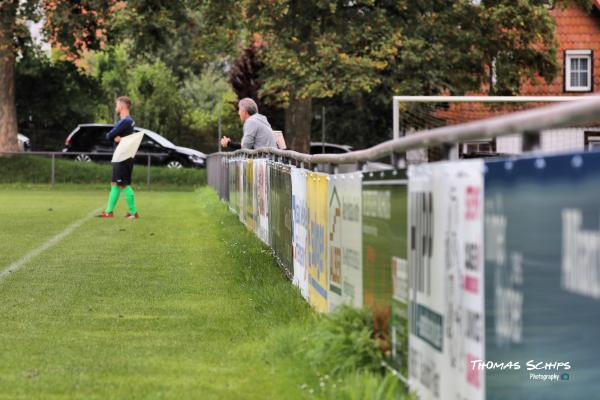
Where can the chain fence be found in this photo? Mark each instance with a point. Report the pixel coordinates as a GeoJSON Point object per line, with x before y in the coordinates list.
{"type": "Point", "coordinates": [52, 168]}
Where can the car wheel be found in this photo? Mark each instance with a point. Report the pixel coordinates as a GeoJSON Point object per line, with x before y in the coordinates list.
{"type": "Point", "coordinates": [83, 158]}
{"type": "Point", "coordinates": [174, 164]}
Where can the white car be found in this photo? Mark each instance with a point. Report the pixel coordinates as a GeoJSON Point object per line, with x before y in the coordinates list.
{"type": "Point", "coordinates": [24, 142]}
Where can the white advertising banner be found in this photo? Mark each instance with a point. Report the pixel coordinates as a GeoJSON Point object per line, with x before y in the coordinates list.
{"type": "Point", "coordinates": [242, 208]}
{"type": "Point", "coordinates": [446, 293]}
{"type": "Point", "coordinates": [300, 221]}
{"type": "Point", "coordinates": [261, 181]}
{"type": "Point", "coordinates": [345, 240]}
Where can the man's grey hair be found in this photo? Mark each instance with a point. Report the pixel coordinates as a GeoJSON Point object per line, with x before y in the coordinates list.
{"type": "Point", "coordinates": [248, 105]}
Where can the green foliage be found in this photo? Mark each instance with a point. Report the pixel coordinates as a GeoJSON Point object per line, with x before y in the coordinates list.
{"type": "Point", "coordinates": [152, 87]}
{"type": "Point", "coordinates": [111, 69]}
{"type": "Point", "coordinates": [360, 120]}
{"type": "Point", "coordinates": [178, 32]}
{"type": "Point", "coordinates": [344, 360]}
{"type": "Point", "coordinates": [37, 170]}
{"type": "Point", "coordinates": [312, 51]}
{"type": "Point", "coordinates": [158, 105]}
{"type": "Point", "coordinates": [209, 95]}
{"type": "Point", "coordinates": [186, 112]}
{"type": "Point", "coordinates": [366, 386]}
{"type": "Point", "coordinates": [412, 46]}
{"type": "Point", "coordinates": [343, 342]}
{"type": "Point", "coordinates": [52, 97]}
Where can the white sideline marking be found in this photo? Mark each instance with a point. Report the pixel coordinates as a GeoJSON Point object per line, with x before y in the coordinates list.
{"type": "Point", "coordinates": [50, 243]}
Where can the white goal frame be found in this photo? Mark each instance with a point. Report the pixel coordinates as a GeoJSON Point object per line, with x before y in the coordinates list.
{"type": "Point", "coordinates": [396, 100]}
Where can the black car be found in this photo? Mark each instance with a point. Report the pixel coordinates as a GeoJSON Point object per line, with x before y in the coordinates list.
{"type": "Point", "coordinates": [91, 138]}
{"type": "Point", "coordinates": [332, 148]}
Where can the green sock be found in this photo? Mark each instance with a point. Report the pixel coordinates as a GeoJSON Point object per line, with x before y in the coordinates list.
{"type": "Point", "coordinates": [130, 198]}
{"type": "Point", "coordinates": [115, 191]}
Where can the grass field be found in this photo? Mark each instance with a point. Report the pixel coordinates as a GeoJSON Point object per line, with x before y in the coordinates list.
{"type": "Point", "coordinates": [181, 304]}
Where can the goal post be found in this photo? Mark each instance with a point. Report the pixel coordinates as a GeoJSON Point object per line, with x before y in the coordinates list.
{"type": "Point", "coordinates": [412, 114]}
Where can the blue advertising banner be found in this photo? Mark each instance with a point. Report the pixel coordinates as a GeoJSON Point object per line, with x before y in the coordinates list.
{"type": "Point", "coordinates": [542, 278]}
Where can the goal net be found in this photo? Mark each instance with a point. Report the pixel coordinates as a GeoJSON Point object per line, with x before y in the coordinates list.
{"type": "Point", "coordinates": [413, 114]}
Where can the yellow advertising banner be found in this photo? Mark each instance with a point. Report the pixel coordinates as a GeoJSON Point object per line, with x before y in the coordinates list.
{"type": "Point", "coordinates": [317, 192]}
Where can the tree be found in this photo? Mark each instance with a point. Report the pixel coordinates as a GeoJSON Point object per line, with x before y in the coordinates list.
{"type": "Point", "coordinates": [52, 97]}
{"type": "Point", "coordinates": [244, 74]}
{"type": "Point", "coordinates": [8, 38]}
{"type": "Point", "coordinates": [158, 104]}
{"type": "Point", "coordinates": [210, 97]}
{"type": "Point", "coordinates": [74, 26]}
{"type": "Point", "coordinates": [245, 79]}
{"type": "Point", "coordinates": [179, 32]}
{"type": "Point", "coordinates": [318, 49]}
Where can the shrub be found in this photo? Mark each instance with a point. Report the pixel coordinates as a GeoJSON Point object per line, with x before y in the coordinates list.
{"type": "Point", "coordinates": [343, 342]}
{"type": "Point", "coordinates": [366, 386]}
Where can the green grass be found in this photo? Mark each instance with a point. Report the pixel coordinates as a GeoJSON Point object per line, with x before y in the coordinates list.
{"type": "Point", "coordinates": [28, 170]}
{"type": "Point", "coordinates": [181, 304]}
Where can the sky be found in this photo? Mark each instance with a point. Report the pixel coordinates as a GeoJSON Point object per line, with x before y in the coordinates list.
{"type": "Point", "coordinates": [36, 34]}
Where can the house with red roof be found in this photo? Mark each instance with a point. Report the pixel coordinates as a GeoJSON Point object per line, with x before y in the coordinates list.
{"type": "Point", "coordinates": [578, 36]}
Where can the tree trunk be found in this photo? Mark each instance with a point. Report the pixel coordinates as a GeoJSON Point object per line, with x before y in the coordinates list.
{"type": "Point", "coordinates": [298, 117]}
{"type": "Point", "coordinates": [8, 111]}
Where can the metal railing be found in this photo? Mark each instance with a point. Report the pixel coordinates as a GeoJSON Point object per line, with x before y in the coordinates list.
{"type": "Point", "coordinates": [53, 155]}
{"type": "Point", "coordinates": [530, 122]}
{"type": "Point", "coordinates": [581, 110]}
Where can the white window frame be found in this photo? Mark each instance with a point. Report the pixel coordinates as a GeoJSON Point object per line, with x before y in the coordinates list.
{"type": "Point", "coordinates": [490, 143]}
{"type": "Point", "coordinates": [592, 140]}
{"type": "Point", "coordinates": [569, 55]}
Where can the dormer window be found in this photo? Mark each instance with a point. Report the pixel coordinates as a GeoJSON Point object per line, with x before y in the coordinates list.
{"type": "Point", "coordinates": [578, 71]}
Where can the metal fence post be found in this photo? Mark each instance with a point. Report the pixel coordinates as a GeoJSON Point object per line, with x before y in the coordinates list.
{"type": "Point", "coordinates": [148, 172]}
{"type": "Point", "coordinates": [53, 178]}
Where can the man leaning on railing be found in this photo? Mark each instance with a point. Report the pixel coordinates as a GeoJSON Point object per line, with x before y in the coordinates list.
{"type": "Point", "coordinates": [257, 130]}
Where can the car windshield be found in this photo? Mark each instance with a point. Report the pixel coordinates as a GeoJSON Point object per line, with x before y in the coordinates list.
{"type": "Point", "coordinates": [156, 137]}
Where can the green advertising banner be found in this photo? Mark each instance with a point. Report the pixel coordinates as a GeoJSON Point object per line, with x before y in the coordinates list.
{"type": "Point", "coordinates": [384, 251]}
{"type": "Point", "coordinates": [234, 186]}
{"type": "Point", "coordinates": [280, 214]}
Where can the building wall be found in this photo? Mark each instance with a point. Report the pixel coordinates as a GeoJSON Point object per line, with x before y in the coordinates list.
{"type": "Point", "coordinates": [555, 140]}
{"type": "Point", "coordinates": [576, 29]}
